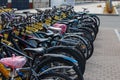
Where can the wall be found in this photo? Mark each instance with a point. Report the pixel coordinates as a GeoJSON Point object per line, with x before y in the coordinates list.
{"type": "Point", "coordinates": [40, 3]}
{"type": "Point", "coordinates": [56, 2]}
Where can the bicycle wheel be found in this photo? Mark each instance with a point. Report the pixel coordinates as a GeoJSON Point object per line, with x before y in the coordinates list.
{"type": "Point", "coordinates": [84, 45]}
{"type": "Point", "coordinates": [90, 48]}
{"type": "Point", "coordinates": [91, 21]}
{"type": "Point", "coordinates": [86, 33]}
{"type": "Point", "coordinates": [96, 18]}
{"type": "Point", "coordinates": [71, 52]}
{"type": "Point", "coordinates": [90, 31]}
{"type": "Point", "coordinates": [78, 40]}
{"type": "Point", "coordinates": [54, 76]}
{"type": "Point", "coordinates": [74, 73]}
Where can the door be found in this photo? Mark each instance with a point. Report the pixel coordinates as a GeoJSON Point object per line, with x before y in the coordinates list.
{"type": "Point", "coordinates": [20, 4]}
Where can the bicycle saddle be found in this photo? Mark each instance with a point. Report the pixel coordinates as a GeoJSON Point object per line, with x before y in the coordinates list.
{"type": "Point", "coordinates": [54, 28]}
{"type": "Point", "coordinates": [40, 40]}
{"type": "Point", "coordinates": [36, 51]}
{"type": "Point", "coordinates": [67, 22]}
{"type": "Point", "coordinates": [26, 12]}
{"type": "Point", "coordinates": [72, 21]}
{"type": "Point", "coordinates": [14, 61]}
{"type": "Point", "coordinates": [49, 34]}
{"type": "Point", "coordinates": [62, 26]}
{"type": "Point", "coordinates": [63, 22]}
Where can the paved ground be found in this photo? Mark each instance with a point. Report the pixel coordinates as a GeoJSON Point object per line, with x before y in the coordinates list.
{"type": "Point", "coordinates": [110, 21]}
{"type": "Point", "coordinates": [104, 64]}
{"type": "Point", "coordinates": [92, 7]}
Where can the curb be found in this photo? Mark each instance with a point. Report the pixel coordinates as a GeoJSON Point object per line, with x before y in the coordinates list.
{"type": "Point", "coordinates": [107, 14]}
{"type": "Point", "coordinates": [100, 14]}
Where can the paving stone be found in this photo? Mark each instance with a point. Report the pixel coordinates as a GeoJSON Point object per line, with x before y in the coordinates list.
{"type": "Point", "coordinates": [104, 64]}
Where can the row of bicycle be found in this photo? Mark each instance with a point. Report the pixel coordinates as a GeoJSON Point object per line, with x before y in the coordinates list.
{"type": "Point", "coordinates": [51, 44]}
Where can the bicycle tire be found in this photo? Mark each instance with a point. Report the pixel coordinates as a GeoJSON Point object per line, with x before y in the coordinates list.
{"type": "Point", "coordinates": [87, 43]}
{"type": "Point", "coordinates": [57, 60]}
{"type": "Point", "coordinates": [96, 18]}
{"type": "Point", "coordinates": [70, 51]}
{"type": "Point", "coordinates": [64, 77]}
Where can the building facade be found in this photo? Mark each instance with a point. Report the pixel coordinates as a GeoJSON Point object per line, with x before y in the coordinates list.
{"type": "Point", "coordinates": [41, 3]}
{"type": "Point", "coordinates": [28, 4]}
